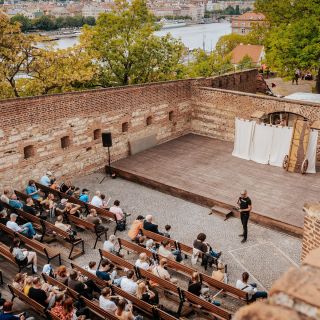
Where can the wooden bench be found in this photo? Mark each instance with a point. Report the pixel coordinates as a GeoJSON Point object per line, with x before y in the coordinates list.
{"type": "Point", "coordinates": [5, 252]}
{"type": "Point", "coordinates": [186, 270]}
{"type": "Point", "coordinates": [49, 253]}
{"type": "Point", "coordinates": [38, 308]}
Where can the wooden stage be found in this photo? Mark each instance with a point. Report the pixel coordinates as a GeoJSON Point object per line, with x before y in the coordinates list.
{"type": "Point", "coordinates": [202, 170]}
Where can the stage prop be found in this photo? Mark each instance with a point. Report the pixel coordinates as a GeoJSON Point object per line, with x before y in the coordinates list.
{"type": "Point", "coordinates": [277, 145]}
{"type": "Point", "coordinates": [107, 143]}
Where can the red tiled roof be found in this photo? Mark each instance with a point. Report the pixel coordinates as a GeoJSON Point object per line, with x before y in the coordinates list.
{"type": "Point", "coordinates": [240, 51]}
{"type": "Point", "coordinates": [250, 16]}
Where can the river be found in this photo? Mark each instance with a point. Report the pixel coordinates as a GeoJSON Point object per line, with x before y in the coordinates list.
{"type": "Point", "coordinates": [193, 36]}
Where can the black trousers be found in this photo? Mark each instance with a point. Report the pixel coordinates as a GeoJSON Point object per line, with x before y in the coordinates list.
{"type": "Point", "coordinates": [244, 220]}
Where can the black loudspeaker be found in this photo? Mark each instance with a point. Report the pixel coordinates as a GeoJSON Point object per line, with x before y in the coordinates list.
{"type": "Point", "coordinates": [106, 139]}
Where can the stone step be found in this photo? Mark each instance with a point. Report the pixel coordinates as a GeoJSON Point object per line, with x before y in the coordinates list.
{"type": "Point", "coordinates": [226, 213]}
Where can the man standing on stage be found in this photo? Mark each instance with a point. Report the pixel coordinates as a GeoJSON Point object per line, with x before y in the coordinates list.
{"type": "Point", "coordinates": [245, 207]}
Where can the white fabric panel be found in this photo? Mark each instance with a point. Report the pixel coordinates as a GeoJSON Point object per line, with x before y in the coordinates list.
{"type": "Point", "coordinates": [261, 143]}
{"type": "Point", "coordinates": [242, 138]}
{"type": "Point", "coordinates": [281, 142]}
{"type": "Point", "coordinates": [312, 151]}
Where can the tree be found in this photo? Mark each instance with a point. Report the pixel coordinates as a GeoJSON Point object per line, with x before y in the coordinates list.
{"type": "Point", "coordinates": [206, 65]}
{"type": "Point", "coordinates": [25, 22]}
{"type": "Point", "coordinates": [245, 63]}
{"type": "Point", "coordinates": [46, 23]}
{"type": "Point", "coordinates": [293, 35]}
{"type": "Point", "coordinates": [228, 42]}
{"type": "Point", "coordinates": [125, 48]}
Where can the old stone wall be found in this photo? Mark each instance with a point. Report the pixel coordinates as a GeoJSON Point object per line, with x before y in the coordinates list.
{"type": "Point", "coordinates": [40, 125]}
{"type": "Point", "coordinates": [214, 110]}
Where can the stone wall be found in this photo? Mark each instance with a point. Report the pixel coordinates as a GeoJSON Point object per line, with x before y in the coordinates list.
{"type": "Point", "coordinates": [214, 110]}
{"type": "Point", "coordinates": [296, 295]}
{"type": "Point", "coordinates": [311, 229]}
{"type": "Point", "coordinates": [43, 121]}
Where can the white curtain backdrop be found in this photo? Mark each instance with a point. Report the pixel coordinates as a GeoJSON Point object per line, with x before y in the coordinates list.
{"type": "Point", "coordinates": [312, 151]}
{"type": "Point", "coordinates": [281, 142]}
{"type": "Point", "coordinates": [242, 139]}
{"type": "Point", "coordinates": [261, 143]}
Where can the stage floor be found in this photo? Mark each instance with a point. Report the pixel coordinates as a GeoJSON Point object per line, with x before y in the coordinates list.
{"type": "Point", "coordinates": [200, 168]}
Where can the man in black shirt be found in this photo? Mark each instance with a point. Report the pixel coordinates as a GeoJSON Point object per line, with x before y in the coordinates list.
{"type": "Point", "coordinates": [149, 226]}
{"type": "Point", "coordinates": [39, 295]}
{"type": "Point", "coordinates": [245, 206]}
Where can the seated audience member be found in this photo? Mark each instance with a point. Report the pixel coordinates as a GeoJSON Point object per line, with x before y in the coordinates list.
{"type": "Point", "coordinates": [149, 226]}
{"type": "Point", "coordinates": [49, 204]}
{"type": "Point", "coordinates": [32, 191]}
{"type": "Point", "coordinates": [103, 272]}
{"type": "Point", "coordinates": [61, 206]}
{"type": "Point", "coordinates": [167, 229]}
{"type": "Point", "coordinates": [104, 201]}
{"type": "Point", "coordinates": [93, 218]}
{"type": "Point", "coordinates": [29, 207]}
{"type": "Point", "coordinates": [46, 179]}
{"type": "Point", "coordinates": [14, 202]}
{"type": "Point", "coordinates": [220, 274]}
{"type": "Point", "coordinates": [96, 200]}
{"type": "Point", "coordinates": [5, 197]}
{"type": "Point", "coordinates": [65, 186]}
{"type": "Point", "coordinates": [111, 245]}
{"type": "Point", "coordinates": [142, 262]}
{"type": "Point", "coordinates": [162, 272]}
{"type": "Point", "coordinates": [25, 229]}
{"type": "Point", "coordinates": [84, 195]}
{"type": "Point", "coordinates": [36, 293]}
{"type": "Point", "coordinates": [135, 230]}
{"type": "Point", "coordinates": [61, 274]}
{"type": "Point", "coordinates": [120, 215]}
{"type": "Point", "coordinates": [195, 286]}
{"type": "Point", "coordinates": [73, 209]}
{"type": "Point", "coordinates": [27, 285]}
{"type": "Point", "coordinates": [57, 309]}
{"type": "Point", "coordinates": [76, 193]}
{"type": "Point", "coordinates": [84, 288]}
{"type": "Point", "coordinates": [150, 245]}
{"type": "Point", "coordinates": [124, 311]}
{"type": "Point", "coordinates": [92, 267]}
{"type": "Point", "coordinates": [3, 218]}
{"type": "Point", "coordinates": [204, 247]}
{"type": "Point", "coordinates": [63, 226]}
{"type": "Point", "coordinates": [128, 284]}
{"type": "Point", "coordinates": [165, 251]}
{"type": "Point", "coordinates": [8, 313]}
{"type": "Point", "coordinates": [251, 289]}
{"type": "Point", "coordinates": [105, 301]}
{"type": "Point", "coordinates": [145, 294]}
{"type": "Point", "coordinates": [19, 281]}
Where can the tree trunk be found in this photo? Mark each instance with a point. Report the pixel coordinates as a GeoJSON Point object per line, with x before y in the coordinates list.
{"type": "Point", "coordinates": [318, 82]}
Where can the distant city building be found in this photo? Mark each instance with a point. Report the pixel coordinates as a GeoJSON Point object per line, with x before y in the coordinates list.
{"type": "Point", "coordinates": [93, 10]}
{"type": "Point", "coordinates": [243, 24]}
{"type": "Point", "coordinates": [255, 52]}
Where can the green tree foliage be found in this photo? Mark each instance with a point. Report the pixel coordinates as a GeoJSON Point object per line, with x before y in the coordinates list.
{"type": "Point", "coordinates": [26, 69]}
{"type": "Point", "coordinates": [46, 23]}
{"type": "Point", "coordinates": [126, 50]}
{"type": "Point", "coordinates": [206, 65]}
{"type": "Point", "coordinates": [228, 42]}
{"type": "Point", "coordinates": [293, 37]}
{"type": "Point", "coordinates": [25, 22]}
{"type": "Point", "coordinates": [245, 63]}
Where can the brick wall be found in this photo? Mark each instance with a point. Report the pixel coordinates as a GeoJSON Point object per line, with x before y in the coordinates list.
{"type": "Point", "coordinates": [214, 110]}
{"type": "Point", "coordinates": [311, 232]}
{"type": "Point", "coordinates": [42, 121]}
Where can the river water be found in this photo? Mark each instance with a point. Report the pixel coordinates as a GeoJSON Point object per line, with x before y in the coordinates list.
{"type": "Point", "coordinates": [193, 36]}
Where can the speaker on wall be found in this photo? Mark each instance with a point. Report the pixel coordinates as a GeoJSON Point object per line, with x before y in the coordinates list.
{"type": "Point", "coordinates": [106, 139]}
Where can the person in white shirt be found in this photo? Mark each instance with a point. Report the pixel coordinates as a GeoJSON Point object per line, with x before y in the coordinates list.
{"type": "Point", "coordinates": [96, 200]}
{"type": "Point", "coordinates": [142, 262]}
{"type": "Point", "coordinates": [128, 284]}
{"type": "Point", "coordinates": [92, 267]}
{"type": "Point", "coordinates": [105, 302]}
{"type": "Point", "coordinates": [110, 244]}
{"type": "Point", "coordinates": [46, 179]}
{"type": "Point", "coordinates": [26, 229]}
{"type": "Point", "coordinates": [63, 226]}
{"type": "Point", "coordinates": [5, 197]}
{"type": "Point", "coordinates": [251, 289]}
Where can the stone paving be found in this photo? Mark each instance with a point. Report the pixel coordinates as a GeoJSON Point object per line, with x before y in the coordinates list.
{"type": "Point", "coordinates": [266, 254]}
